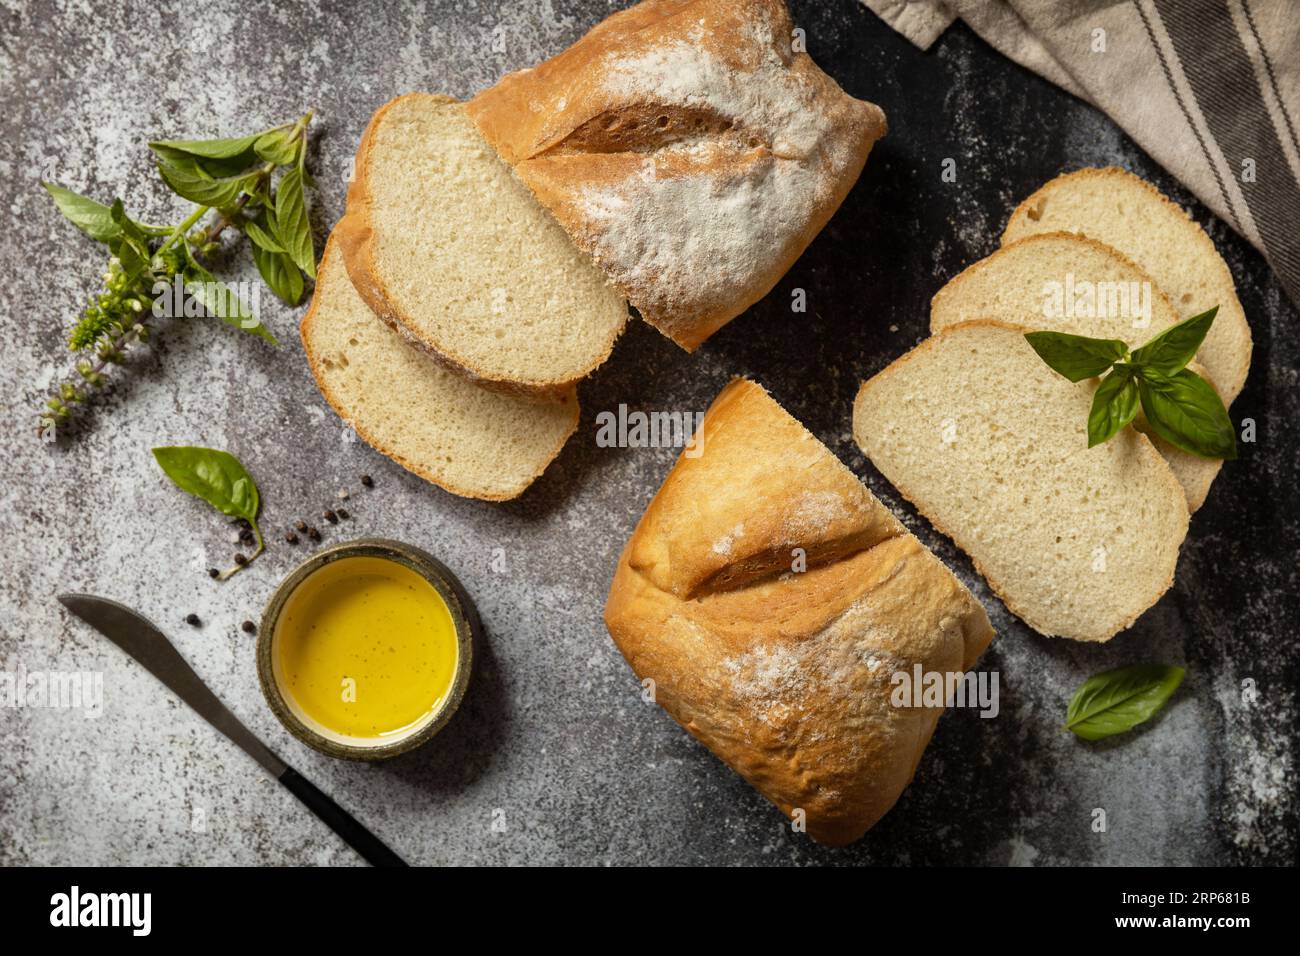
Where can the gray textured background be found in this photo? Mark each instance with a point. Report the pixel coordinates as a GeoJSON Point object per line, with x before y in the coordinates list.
{"type": "Point", "coordinates": [553, 738]}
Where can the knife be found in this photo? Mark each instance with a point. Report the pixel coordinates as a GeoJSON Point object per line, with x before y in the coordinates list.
{"type": "Point", "coordinates": [149, 646]}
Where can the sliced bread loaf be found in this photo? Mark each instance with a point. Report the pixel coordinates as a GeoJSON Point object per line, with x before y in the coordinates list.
{"type": "Point", "coordinates": [991, 445]}
{"type": "Point", "coordinates": [1117, 208]}
{"type": "Point", "coordinates": [466, 439]}
{"type": "Point", "coordinates": [445, 243]}
{"type": "Point", "coordinates": [1070, 283]}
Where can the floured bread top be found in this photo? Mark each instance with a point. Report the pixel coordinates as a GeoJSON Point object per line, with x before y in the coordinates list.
{"type": "Point", "coordinates": [688, 148]}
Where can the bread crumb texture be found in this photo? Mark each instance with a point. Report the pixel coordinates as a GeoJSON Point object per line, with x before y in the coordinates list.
{"type": "Point", "coordinates": [1129, 214]}
{"type": "Point", "coordinates": [1066, 282]}
{"type": "Point", "coordinates": [464, 438]}
{"type": "Point", "coordinates": [461, 255]}
{"type": "Point", "coordinates": [991, 445]}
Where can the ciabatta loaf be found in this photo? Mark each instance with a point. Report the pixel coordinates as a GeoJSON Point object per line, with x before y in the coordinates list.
{"type": "Point", "coordinates": [689, 148]}
{"type": "Point", "coordinates": [771, 599]}
{"type": "Point", "coordinates": [991, 445]}
{"type": "Point", "coordinates": [1066, 282]}
{"type": "Point", "coordinates": [443, 427]}
{"type": "Point", "coordinates": [1125, 212]}
{"type": "Point", "coordinates": [448, 247]}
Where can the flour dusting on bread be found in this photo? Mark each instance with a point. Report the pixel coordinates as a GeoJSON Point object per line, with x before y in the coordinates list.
{"type": "Point", "coordinates": [688, 148]}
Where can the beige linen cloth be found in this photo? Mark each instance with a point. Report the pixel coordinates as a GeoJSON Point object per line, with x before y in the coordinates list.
{"type": "Point", "coordinates": [1209, 88]}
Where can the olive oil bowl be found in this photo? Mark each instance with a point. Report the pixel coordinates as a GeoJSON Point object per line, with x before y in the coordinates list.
{"type": "Point", "coordinates": [365, 649]}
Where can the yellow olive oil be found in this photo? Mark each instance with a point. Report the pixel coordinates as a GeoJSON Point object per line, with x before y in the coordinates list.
{"type": "Point", "coordinates": [366, 647]}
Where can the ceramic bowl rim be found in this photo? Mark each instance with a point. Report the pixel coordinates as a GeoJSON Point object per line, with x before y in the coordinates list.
{"type": "Point", "coordinates": [422, 563]}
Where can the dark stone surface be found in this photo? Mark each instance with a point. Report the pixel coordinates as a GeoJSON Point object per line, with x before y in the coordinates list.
{"type": "Point", "coordinates": [553, 740]}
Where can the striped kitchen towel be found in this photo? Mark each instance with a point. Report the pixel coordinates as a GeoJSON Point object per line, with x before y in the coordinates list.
{"type": "Point", "coordinates": [1209, 88]}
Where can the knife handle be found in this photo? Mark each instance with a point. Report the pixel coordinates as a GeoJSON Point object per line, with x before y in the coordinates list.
{"type": "Point", "coordinates": [339, 820]}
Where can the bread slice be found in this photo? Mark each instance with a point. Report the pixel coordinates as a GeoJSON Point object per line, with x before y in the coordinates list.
{"type": "Point", "coordinates": [991, 445]}
{"type": "Point", "coordinates": [1027, 283]}
{"type": "Point", "coordinates": [466, 439]}
{"type": "Point", "coordinates": [773, 601]}
{"type": "Point", "coordinates": [444, 242]}
{"type": "Point", "coordinates": [1117, 208]}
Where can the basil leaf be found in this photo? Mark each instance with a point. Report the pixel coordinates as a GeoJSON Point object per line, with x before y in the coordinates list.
{"type": "Point", "coordinates": [236, 148]}
{"type": "Point", "coordinates": [261, 236]}
{"type": "Point", "coordinates": [1186, 411]}
{"type": "Point", "coordinates": [1175, 346]}
{"type": "Point", "coordinates": [126, 225]}
{"type": "Point", "coordinates": [278, 146]}
{"type": "Point", "coordinates": [215, 476]}
{"type": "Point", "coordinates": [93, 218]}
{"type": "Point", "coordinates": [130, 244]}
{"type": "Point", "coordinates": [221, 301]}
{"type": "Point", "coordinates": [189, 180]}
{"type": "Point", "coordinates": [279, 273]}
{"type": "Point", "coordinates": [291, 224]}
{"type": "Point", "coordinates": [132, 261]}
{"type": "Point", "coordinates": [1118, 700]}
{"type": "Point", "coordinates": [1114, 405]}
{"type": "Point", "coordinates": [1076, 356]}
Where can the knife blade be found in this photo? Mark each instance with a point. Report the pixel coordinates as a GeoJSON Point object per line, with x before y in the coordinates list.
{"type": "Point", "coordinates": [151, 649]}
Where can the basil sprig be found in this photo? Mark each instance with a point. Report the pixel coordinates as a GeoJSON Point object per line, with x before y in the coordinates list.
{"type": "Point", "coordinates": [1114, 701]}
{"type": "Point", "coordinates": [219, 479]}
{"type": "Point", "coordinates": [253, 185]}
{"type": "Point", "coordinates": [1179, 405]}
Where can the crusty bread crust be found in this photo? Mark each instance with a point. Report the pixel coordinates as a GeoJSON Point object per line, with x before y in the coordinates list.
{"type": "Point", "coordinates": [1230, 312]}
{"type": "Point", "coordinates": [785, 674]}
{"type": "Point", "coordinates": [1171, 489]}
{"type": "Point", "coordinates": [315, 362]}
{"type": "Point", "coordinates": [688, 149]}
{"type": "Point", "coordinates": [356, 239]}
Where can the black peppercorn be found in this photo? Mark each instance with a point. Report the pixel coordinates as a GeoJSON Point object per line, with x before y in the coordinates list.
{"type": "Point", "coordinates": [192, 620]}
{"type": "Point", "coordinates": [368, 481]}
{"type": "Point", "coordinates": [240, 559]}
{"type": "Point", "coordinates": [248, 627]}
{"type": "Point", "coordinates": [213, 573]}
{"type": "Point", "coordinates": [291, 538]}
